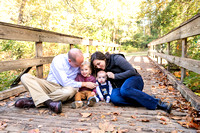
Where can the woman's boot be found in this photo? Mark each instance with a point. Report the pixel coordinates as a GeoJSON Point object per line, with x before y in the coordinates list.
{"type": "Point", "coordinates": [164, 106]}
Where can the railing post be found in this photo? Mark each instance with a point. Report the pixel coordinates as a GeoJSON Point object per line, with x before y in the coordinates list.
{"type": "Point", "coordinates": [39, 69]}
{"type": "Point", "coordinates": [184, 49]}
{"type": "Point", "coordinates": [168, 52]}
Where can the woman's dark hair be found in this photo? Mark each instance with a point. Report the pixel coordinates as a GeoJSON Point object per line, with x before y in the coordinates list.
{"type": "Point", "coordinates": [97, 56]}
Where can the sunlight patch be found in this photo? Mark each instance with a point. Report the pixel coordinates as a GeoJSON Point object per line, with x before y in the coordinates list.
{"type": "Point", "coordinates": [146, 60]}
{"type": "Point", "coordinates": [149, 69]}
{"type": "Point", "coordinates": [137, 59]}
{"type": "Point", "coordinates": [137, 67]}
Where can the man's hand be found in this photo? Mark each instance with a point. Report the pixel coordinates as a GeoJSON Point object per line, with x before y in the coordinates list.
{"type": "Point", "coordinates": [111, 75]}
{"type": "Point", "coordinates": [89, 85]}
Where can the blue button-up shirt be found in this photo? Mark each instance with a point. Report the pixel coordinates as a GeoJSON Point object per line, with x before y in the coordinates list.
{"type": "Point", "coordinates": [61, 72]}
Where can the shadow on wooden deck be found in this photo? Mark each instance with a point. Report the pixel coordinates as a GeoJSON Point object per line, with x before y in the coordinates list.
{"type": "Point", "coordinates": [104, 117]}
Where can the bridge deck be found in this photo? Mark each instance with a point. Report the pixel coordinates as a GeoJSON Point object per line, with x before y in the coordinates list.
{"type": "Point", "coordinates": [104, 117]}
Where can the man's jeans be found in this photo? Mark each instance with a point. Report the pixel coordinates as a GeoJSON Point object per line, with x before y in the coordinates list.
{"type": "Point", "coordinates": [131, 94]}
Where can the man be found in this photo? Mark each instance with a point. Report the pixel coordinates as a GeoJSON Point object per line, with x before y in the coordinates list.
{"type": "Point", "coordinates": [59, 86]}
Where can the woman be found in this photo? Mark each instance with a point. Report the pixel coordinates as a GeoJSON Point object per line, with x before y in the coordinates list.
{"type": "Point", "coordinates": [127, 82]}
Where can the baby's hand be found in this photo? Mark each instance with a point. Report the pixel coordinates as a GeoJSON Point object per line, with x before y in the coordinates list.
{"type": "Point", "coordinates": [93, 93]}
{"type": "Point", "coordinates": [102, 99]}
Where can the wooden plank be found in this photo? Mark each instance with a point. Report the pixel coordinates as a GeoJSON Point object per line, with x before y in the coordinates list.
{"type": "Point", "coordinates": [186, 92]}
{"type": "Point", "coordinates": [187, 29]}
{"type": "Point", "coordinates": [24, 63]}
{"type": "Point", "coordinates": [24, 33]}
{"type": "Point", "coordinates": [190, 64]}
{"type": "Point", "coordinates": [11, 92]}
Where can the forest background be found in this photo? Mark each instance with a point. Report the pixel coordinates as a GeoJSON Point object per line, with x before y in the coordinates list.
{"type": "Point", "coordinates": [130, 23]}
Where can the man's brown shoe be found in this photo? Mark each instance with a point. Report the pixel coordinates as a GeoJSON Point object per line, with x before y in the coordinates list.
{"type": "Point", "coordinates": [55, 107]}
{"type": "Point", "coordinates": [25, 103]}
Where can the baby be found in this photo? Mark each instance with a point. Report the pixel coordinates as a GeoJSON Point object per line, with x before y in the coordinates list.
{"type": "Point", "coordinates": [83, 92]}
{"type": "Point", "coordinates": [104, 89]}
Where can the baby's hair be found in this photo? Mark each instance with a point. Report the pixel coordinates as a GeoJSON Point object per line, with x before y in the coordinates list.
{"type": "Point", "coordinates": [101, 71]}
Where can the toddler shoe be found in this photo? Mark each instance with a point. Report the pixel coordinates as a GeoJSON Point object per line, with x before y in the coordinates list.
{"type": "Point", "coordinates": [91, 101]}
{"type": "Point", "coordinates": [77, 104]}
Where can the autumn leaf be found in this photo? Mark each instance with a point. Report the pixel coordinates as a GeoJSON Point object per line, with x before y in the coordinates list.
{"type": "Point", "coordinates": [170, 88]}
{"type": "Point", "coordinates": [11, 104]}
{"type": "Point", "coordinates": [132, 124]}
{"type": "Point", "coordinates": [164, 123]}
{"type": "Point", "coordinates": [176, 118]}
{"type": "Point", "coordinates": [122, 130]}
{"type": "Point", "coordinates": [134, 117]}
{"type": "Point", "coordinates": [2, 103]}
{"type": "Point", "coordinates": [34, 131]}
{"type": "Point", "coordinates": [116, 113]}
{"type": "Point", "coordinates": [3, 125]}
{"type": "Point", "coordinates": [106, 127]}
{"type": "Point", "coordinates": [103, 116]}
{"type": "Point", "coordinates": [84, 115]}
{"type": "Point", "coordinates": [81, 129]}
{"type": "Point", "coordinates": [114, 118]}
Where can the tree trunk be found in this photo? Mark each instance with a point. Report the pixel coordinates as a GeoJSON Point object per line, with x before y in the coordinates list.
{"type": "Point", "coordinates": [21, 12]}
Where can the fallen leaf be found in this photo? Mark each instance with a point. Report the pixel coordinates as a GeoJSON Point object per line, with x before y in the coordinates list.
{"type": "Point", "coordinates": [181, 123]}
{"type": "Point", "coordinates": [2, 103]}
{"type": "Point", "coordinates": [81, 129]}
{"type": "Point", "coordinates": [106, 127]}
{"type": "Point", "coordinates": [84, 115]}
{"type": "Point", "coordinates": [81, 120]}
{"type": "Point", "coordinates": [62, 114]}
{"type": "Point", "coordinates": [122, 130]}
{"type": "Point", "coordinates": [114, 118]}
{"type": "Point", "coordinates": [103, 116]}
{"type": "Point", "coordinates": [174, 131]}
{"type": "Point", "coordinates": [34, 131]}
{"type": "Point", "coordinates": [134, 117]}
{"type": "Point", "coordinates": [3, 125]}
{"type": "Point", "coordinates": [11, 104]}
{"type": "Point", "coordinates": [164, 123]}
{"type": "Point", "coordinates": [163, 119]}
{"type": "Point", "coordinates": [144, 120]}
{"type": "Point", "coordinates": [176, 118]}
{"type": "Point", "coordinates": [116, 113]}
{"type": "Point", "coordinates": [39, 126]}
{"type": "Point", "coordinates": [131, 124]}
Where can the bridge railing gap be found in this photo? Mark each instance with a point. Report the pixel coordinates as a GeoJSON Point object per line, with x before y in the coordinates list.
{"type": "Point", "coordinates": [187, 29]}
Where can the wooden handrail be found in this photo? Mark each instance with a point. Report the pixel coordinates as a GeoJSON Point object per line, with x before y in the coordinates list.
{"type": "Point", "coordinates": [187, 29]}
{"type": "Point", "coordinates": [24, 33]}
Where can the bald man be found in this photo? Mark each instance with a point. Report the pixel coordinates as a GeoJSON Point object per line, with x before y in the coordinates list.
{"type": "Point", "coordinates": [59, 86]}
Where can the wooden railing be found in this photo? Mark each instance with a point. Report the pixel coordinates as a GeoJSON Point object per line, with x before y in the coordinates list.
{"type": "Point", "coordinates": [187, 29]}
{"type": "Point", "coordinates": [24, 33]}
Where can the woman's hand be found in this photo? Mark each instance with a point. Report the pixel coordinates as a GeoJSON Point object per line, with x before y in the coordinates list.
{"type": "Point", "coordinates": [111, 75]}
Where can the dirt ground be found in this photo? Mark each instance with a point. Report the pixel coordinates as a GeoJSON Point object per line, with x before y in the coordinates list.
{"type": "Point", "coordinates": [105, 117]}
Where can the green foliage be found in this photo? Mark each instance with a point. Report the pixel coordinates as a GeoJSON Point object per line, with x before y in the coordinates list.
{"type": "Point", "coordinates": [6, 79]}
{"type": "Point", "coordinates": [193, 81]}
{"type": "Point", "coordinates": [193, 51]}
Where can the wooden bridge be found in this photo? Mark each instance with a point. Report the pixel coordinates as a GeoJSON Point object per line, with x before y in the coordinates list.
{"type": "Point", "coordinates": [105, 117]}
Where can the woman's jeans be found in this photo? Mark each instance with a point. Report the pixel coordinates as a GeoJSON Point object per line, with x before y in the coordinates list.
{"type": "Point", "coordinates": [131, 94]}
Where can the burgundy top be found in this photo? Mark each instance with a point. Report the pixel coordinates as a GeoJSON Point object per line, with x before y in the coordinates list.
{"type": "Point", "coordinates": [80, 78]}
